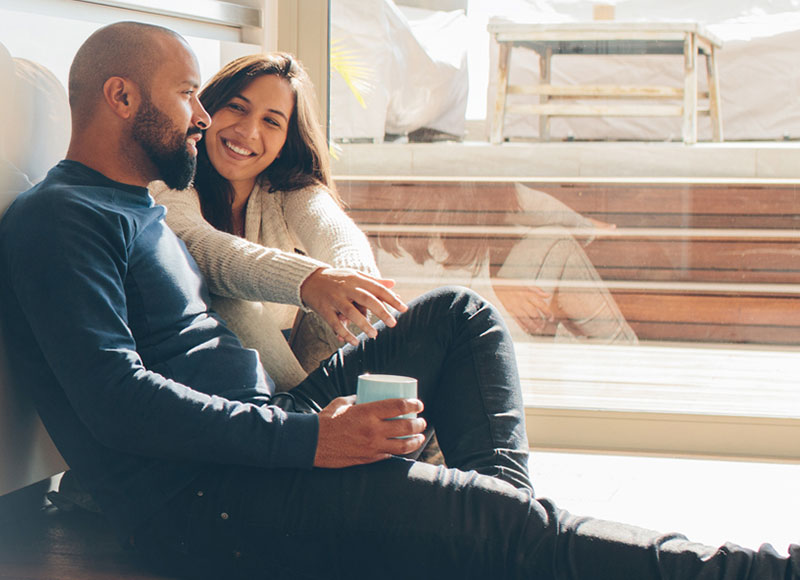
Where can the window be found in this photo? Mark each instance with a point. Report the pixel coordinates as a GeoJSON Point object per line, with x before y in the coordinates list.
{"type": "Point", "coordinates": [643, 249]}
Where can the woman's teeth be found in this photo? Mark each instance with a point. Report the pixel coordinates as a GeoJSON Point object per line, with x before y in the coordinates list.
{"type": "Point", "coordinates": [236, 149]}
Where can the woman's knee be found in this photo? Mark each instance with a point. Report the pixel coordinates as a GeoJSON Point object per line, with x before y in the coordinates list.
{"type": "Point", "coordinates": [453, 299]}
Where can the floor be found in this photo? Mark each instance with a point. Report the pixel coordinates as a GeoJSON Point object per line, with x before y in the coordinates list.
{"type": "Point", "coordinates": [710, 501]}
{"type": "Point", "coordinates": [43, 543]}
{"type": "Point", "coordinates": [699, 400]}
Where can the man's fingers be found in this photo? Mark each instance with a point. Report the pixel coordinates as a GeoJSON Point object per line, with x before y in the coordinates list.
{"type": "Point", "coordinates": [396, 428]}
{"type": "Point", "coordinates": [391, 408]}
{"type": "Point", "coordinates": [339, 404]}
{"type": "Point", "coordinates": [405, 446]}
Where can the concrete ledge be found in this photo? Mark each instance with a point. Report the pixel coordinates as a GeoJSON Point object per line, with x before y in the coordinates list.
{"type": "Point", "coordinates": [746, 160]}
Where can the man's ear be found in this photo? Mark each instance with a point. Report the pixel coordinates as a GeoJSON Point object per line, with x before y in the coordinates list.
{"type": "Point", "coordinates": [122, 95]}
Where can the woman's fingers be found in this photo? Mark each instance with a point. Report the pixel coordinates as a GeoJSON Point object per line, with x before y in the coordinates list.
{"type": "Point", "coordinates": [341, 296]}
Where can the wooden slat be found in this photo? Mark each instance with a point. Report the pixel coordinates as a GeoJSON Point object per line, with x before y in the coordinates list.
{"type": "Point", "coordinates": [697, 201]}
{"type": "Point", "coordinates": [599, 30]}
{"type": "Point", "coordinates": [575, 110]}
{"type": "Point", "coordinates": [680, 256]}
{"type": "Point", "coordinates": [598, 91]}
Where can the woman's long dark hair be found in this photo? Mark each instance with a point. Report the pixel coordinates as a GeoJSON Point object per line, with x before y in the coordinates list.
{"type": "Point", "coordinates": [304, 159]}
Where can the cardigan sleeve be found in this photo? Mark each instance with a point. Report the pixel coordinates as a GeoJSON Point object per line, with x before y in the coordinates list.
{"type": "Point", "coordinates": [326, 232]}
{"type": "Point", "coordinates": [234, 267]}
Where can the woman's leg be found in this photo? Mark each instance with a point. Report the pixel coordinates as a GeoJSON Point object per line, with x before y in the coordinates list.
{"type": "Point", "coordinates": [586, 307]}
{"type": "Point", "coordinates": [457, 347]}
{"type": "Point", "coordinates": [312, 340]}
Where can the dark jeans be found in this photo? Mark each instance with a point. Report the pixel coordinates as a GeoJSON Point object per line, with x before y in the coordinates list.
{"type": "Point", "coordinates": [404, 519]}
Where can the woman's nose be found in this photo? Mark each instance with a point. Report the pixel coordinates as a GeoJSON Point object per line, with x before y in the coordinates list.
{"type": "Point", "coordinates": [246, 127]}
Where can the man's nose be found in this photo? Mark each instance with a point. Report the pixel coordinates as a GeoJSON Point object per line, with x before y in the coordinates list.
{"type": "Point", "coordinates": [201, 117]}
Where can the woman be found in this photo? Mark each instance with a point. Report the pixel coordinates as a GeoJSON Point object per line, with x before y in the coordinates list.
{"type": "Point", "coordinates": [542, 277]}
{"type": "Point", "coordinates": [265, 224]}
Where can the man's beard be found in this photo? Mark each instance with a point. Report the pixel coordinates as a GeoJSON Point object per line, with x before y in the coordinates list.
{"type": "Point", "coordinates": [165, 145]}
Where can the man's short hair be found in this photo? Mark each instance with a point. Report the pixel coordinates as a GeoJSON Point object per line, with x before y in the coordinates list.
{"type": "Point", "coordinates": [123, 49]}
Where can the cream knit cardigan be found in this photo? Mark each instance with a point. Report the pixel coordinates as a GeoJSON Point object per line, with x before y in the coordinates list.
{"type": "Point", "coordinates": [255, 282]}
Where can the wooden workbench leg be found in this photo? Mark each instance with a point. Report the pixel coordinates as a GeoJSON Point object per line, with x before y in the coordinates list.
{"type": "Point", "coordinates": [714, 99]}
{"type": "Point", "coordinates": [503, 62]}
{"type": "Point", "coordinates": [544, 79]}
{"type": "Point", "coordinates": [690, 89]}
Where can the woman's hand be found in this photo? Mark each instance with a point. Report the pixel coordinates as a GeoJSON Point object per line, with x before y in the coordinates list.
{"type": "Point", "coordinates": [531, 306]}
{"type": "Point", "coordinates": [340, 295]}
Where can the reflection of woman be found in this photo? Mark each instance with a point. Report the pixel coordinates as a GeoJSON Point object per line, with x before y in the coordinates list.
{"type": "Point", "coordinates": [265, 225]}
{"type": "Point", "coordinates": [544, 280]}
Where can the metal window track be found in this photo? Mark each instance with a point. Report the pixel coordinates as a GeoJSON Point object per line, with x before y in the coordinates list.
{"type": "Point", "coordinates": [213, 11]}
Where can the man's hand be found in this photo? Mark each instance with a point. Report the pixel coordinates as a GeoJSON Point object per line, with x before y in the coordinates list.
{"type": "Point", "coordinates": [340, 295]}
{"type": "Point", "coordinates": [351, 434]}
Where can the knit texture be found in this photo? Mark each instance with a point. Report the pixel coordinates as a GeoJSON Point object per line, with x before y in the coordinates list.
{"type": "Point", "coordinates": [256, 280]}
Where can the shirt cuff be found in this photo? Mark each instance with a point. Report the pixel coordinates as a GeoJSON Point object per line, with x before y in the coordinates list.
{"type": "Point", "coordinates": [298, 441]}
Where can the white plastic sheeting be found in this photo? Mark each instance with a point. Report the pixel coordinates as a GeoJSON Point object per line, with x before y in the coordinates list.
{"type": "Point", "coordinates": [416, 68]}
{"type": "Point", "coordinates": [759, 76]}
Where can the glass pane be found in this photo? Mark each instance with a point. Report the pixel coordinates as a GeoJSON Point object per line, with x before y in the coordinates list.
{"type": "Point", "coordinates": [642, 265]}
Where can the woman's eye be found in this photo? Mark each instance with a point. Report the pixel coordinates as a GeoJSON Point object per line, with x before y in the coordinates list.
{"type": "Point", "coordinates": [235, 107]}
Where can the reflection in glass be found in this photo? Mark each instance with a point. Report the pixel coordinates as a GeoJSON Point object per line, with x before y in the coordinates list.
{"type": "Point", "coordinates": [514, 244]}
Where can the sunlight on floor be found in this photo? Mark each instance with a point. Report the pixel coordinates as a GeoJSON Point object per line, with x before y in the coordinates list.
{"type": "Point", "coordinates": [710, 501]}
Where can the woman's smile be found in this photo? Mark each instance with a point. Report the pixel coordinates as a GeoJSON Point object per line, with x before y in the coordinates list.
{"type": "Point", "coordinates": [238, 150]}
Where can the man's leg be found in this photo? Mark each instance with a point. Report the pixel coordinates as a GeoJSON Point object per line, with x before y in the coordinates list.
{"type": "Point", "coordinates": [403, 519]}
{"type": "Point", "coordinates": [458, 348]}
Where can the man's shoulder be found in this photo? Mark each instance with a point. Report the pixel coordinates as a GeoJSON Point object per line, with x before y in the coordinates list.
{"type": "Point", "coordinates": [61, 208]}
{"type": "Point", "coordinates": [47, 200]}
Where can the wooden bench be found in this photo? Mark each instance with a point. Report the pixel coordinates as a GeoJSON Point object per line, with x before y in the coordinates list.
{"type": "Point", "coordinates": [688, 40]}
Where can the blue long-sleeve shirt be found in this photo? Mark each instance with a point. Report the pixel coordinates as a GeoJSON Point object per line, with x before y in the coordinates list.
{"type": "Point", "coordinates": [107, 325]}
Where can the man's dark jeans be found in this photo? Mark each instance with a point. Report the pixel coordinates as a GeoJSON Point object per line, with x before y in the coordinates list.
{"type": "Point", "coordinates": [403, 519]}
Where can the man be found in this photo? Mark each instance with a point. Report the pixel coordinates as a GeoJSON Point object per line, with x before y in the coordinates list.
{"type": "Point", "coordinates": [173, 427]}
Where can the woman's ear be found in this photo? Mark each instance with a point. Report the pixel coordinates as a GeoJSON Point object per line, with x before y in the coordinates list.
{"type": "Point", "coordinates": [121, 95]}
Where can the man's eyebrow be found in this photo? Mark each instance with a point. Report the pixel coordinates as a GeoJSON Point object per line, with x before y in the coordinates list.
{"type": "Point", "coordinates": [276, 111]}
{"type": "Point", "coordinates": [191, 83]}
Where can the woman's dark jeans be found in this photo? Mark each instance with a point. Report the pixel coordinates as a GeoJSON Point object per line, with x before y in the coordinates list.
{"type": "Point", "coordinates": [404, 519]}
